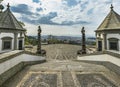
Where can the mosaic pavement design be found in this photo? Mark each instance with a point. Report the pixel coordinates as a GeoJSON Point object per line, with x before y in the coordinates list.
{"type": "Point", "coordinates": [94, 80]}
{"type": "Point", "coordinates": [65, 79]}
{"type": "Point", "coordinates": [39, 79]}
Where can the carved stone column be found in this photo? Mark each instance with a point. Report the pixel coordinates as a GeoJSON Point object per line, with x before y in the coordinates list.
{"type": "Point", "coordinates": [104, 42]}
{"type": "Point", "coordinates": [15, 41]}
{"type": "Point", "coordinates": [83, 41]}
{"type": "Point", "coordinates": [119, 44]}
{"type": "Point", "coordinates": [39, 40]}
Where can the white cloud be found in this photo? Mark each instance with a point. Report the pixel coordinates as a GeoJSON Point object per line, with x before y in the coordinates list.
{"type": "Point", "coordinates": [65, 13]}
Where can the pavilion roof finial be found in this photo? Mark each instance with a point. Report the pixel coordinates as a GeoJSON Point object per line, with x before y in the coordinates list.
{"type": "Point", "coordinates": [8, 5]}
{"type": "Point", "coordinates": [1, 7]}
{"type": "Point", "coordinates": [111, 7]}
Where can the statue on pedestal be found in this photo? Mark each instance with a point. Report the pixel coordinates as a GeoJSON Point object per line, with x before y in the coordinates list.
{"type": "Point", "coordinates": [83, 41]}
{"type": "Point", "coordinates": [39, 51]}
{"type": "Point", "coordinates": [83, 50]}
{"type": "Point", "coordinates": [39, 40]}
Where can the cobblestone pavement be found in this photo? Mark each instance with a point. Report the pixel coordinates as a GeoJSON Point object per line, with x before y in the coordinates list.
{"type": "Point", "coordinates": [64, 74]}
{"type": "Point", "coordinates": [59, 51]}
{"type": "Point", "coordinates": [62, 51]}
{"type": "Point", "coordinates": [61, 71]}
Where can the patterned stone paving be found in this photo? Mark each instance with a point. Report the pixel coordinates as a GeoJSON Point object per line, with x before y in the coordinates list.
{"type": "Point", "coordinates": [94, 80]}
{"type": "Point", "coordinates": [39, 80]}
{"type": "Point", "coordinates": [64, 74]}
{"type": "Point", "coordinates": [65, 79]}
{"type": "Point", "coordinates": [61, 71]}
{"type": "Point", "coordinates": [59, 51]}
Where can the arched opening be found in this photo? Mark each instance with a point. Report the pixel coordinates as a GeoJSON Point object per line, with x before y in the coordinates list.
{"type": "Point", "coordinates": [20, 45]}
{"type": "Point", "coordinates": [6, 43]}
{"type": "Point", "coordinates": [99, 45]}
{"type": "Point", "coordinates": [113, 44]}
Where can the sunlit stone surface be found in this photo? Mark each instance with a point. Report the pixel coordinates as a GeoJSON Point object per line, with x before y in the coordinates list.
{"type": "Point", "coordinates": [94, 80]}
{"type": "Point", "coordinates": [61, 70]}
{"type": "Point", "coordinates": [64, 79]}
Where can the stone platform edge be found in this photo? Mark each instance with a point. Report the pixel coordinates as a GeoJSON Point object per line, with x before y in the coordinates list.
{"type": "Point", "coordinates": [112, 53]}
{"type": "Point", "coordinates": [112, 67]}
{"type": "Point", "coordinates": [10, 63]}
{"type": "Point", "coordinates": [14, 70]}
{"type": "Point", "coordinates": [10, 56]}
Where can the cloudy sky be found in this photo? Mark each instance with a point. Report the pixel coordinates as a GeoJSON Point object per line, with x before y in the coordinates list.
{"type": "Point", "coordinates": [61, 17]}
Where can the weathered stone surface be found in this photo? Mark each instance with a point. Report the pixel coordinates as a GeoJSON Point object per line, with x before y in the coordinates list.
{"type": "Point", "coordinates": [67, 79]}
{"type": "Point", "coordinates": [40, 80]}
{"type": "Point", "coordinates": [11, 72]}
{"type": "Point", "coordinates": [58, 51]}
{"type": "Point", "coordinates": [63, 72]}
{"type": "Point", "coordinates": [94, 80]}
{"type": "Point", "coordinates": [10, 55]}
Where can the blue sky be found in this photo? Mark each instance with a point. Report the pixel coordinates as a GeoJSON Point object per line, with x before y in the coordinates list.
{"type": "Point", "coordinates": [61, 17]}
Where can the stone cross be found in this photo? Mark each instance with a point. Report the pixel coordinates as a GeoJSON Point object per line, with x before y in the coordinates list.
{"type": "Point", "coordinates": [83, 41]}
{"type": "Point", "coordinates": [111, 7]}
{"type": "Point", "coordinates": [8, 5]}
{"type": "Point", "coordinates": [39, 40]}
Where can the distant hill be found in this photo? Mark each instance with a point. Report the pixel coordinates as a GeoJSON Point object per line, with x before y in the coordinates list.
{"type": "Point", "coordinates": [73, 38]}
{"type": "Point", "coordinates": [61, 37]}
